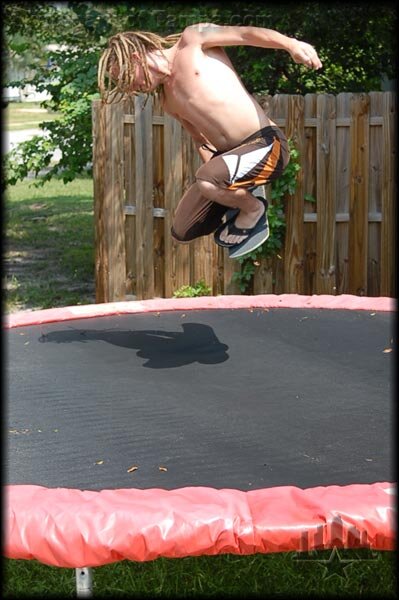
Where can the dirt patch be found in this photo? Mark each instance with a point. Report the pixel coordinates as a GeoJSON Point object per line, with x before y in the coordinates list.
{"type": "Point", "coordinates": [22, 267]}
{"type": "Point", "coordinates": [37, 206]}
{"type": "Point", "coordinates": [33, 279]}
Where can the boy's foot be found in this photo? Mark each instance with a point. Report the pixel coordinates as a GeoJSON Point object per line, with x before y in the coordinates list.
{"type": "Point", "coordinates": [239, 229]}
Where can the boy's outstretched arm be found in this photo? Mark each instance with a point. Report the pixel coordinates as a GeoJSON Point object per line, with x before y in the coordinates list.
{"type": "Point", "coordinates": [209, 35]}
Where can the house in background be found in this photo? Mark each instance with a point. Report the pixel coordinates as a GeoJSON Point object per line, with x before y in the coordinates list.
{"type": "Point", "coordinates": [16, 71]}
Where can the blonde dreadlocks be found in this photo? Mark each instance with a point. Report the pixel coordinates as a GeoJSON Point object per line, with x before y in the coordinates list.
{"type": "Point", "coordinates": [118, 56]}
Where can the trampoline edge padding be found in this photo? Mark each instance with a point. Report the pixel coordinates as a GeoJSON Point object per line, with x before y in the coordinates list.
{"type": "Point", "coordinates": [343, 301]}
{"type": "Point", "coordinates": [74, 528]}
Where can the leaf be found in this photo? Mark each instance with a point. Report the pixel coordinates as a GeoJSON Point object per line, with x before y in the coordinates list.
{"type": "Point", "coordinates": [310, 198]}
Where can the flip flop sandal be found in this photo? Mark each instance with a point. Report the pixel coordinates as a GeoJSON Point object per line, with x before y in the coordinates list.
{"type": "Point", "coordinates": [257, 235]}
{"type": "Point", "coordinates": [230, 216]}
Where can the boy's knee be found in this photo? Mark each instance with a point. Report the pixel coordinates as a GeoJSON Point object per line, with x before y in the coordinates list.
{"type": "Point", "coordinates": [205, 187]}
{"type": "Point", "coordinates": [176, 236]}
{"type": "Point", "coordinates": [202, 179]}
{"type": "Point", "coordinates": [210, 190]}
{"type": "Point", "coordinates": [181, 237]}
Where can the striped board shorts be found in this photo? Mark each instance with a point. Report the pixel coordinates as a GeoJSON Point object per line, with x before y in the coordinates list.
{"type": "Point", "coordinates": [259, 159]}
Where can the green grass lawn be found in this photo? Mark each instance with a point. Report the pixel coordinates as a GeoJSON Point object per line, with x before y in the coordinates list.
{"type": "Point", "coordinates": [49, 254]}
{"type": "Point", "coordinates": [49, 261]}
{"type": "Point", "coordinates": [260, 575]}
{"type": "Point", "coordinates": [18, 116]}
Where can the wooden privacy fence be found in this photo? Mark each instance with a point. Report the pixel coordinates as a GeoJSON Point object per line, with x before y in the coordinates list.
{"type": "Point", "coordinates": [341, 243]}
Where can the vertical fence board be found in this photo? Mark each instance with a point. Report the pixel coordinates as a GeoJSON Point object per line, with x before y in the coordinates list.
{"type": "Point", "coordinates": [374, 204]}
{"type": "Point", "coordinates": [278, 110]}
{"type": "Point", "coordinates": [110, 231]}
{"type": "Point", "coordinates": [144, 202]}
{"type": "Point", "coordinates": [343, 193]}
{"type": "Point", "coordinates": [228, 267]}
{"type": "Point", "coordinates": [294, 207]}
{"type": "Point", "coordinates": [159, 222]}
{"type": "Point", "coordinates": [388, 208]}
{"type": "Point", "coordinates": [202, 261]}
{"type": "Point", "coordinates": [264, 277]}
{"type": "Point", "coordinates": [100, 257]}
{"type": "Point", "coordinates": [130, 190]}
{"type": "Point", "coordinates": [358, 207]}
{"type": "Point", "coordinates": [177, 257]}
{"type": "Point", "coordinates": [326, 194]}
{"type": "Point", "coordinates": [263, 280]}
{"type": "Point", "coordinates": [203, 249]}
{"type": "Point", "coordinates": [158, 200]}
{"type": "Point", "coordinates": [310, 189]}
{"type": "Point", "coordinates": [117, 250]}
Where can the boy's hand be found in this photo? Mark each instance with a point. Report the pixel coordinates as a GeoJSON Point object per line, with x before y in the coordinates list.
{"type": "Point", "coordinates": [304, 54]}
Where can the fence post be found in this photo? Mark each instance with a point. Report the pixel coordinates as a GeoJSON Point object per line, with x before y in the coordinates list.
{"type": "Point", "coordinates": [110, 257]}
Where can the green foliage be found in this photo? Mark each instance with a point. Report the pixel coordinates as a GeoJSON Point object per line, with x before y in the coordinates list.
{"type": "Point", "coordinates": [356, 43]}
{"type": "Point", "coordinates": [282, 189]}
{"type": "Point", "coordinates": [61, 46]}
{"type": "Point", "coordinates": [189, 291]}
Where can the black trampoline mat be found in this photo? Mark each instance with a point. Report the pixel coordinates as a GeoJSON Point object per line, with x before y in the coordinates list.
{"type": "Point", "coordinates": [243, 399]}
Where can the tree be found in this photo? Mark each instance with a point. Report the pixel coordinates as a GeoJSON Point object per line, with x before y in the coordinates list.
{"type": "Point", "coordinates": [356, 42]}
{"type": "Point", "coordinates": [76, 34]}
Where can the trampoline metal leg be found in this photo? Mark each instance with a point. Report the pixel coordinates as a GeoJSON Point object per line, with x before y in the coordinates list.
{"type": "Point", "coordinates": [84, 582]}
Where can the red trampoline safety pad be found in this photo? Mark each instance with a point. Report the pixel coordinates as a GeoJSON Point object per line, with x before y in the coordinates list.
{"type": "Point", "coordinates": [75, 528]}
{"type": "Point", "coordinates": [344, 301]}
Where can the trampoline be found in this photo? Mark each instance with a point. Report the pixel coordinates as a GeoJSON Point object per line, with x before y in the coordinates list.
{"type": "Point", "coordinates": [180, 427]}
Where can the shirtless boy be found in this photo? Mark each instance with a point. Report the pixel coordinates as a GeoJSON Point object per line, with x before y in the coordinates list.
{"type": "Point", "coordinates": [240, 146]}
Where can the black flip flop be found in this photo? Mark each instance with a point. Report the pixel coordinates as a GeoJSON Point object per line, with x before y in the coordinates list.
{"type": "Point", "coordinates": [257, 235]}
{"type": "Point", "coordinates": [230, 216]}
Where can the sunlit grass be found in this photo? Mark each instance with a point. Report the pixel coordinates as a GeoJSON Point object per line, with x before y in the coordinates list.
{"type": "Point", "coordinates": [18, 116]}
